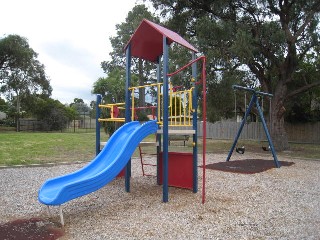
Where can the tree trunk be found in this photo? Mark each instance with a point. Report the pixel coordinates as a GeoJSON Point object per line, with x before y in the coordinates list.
{"type": "Point", "coordinates": [277, 129]}
{"type": "Point", "coordinates": [18, 114]}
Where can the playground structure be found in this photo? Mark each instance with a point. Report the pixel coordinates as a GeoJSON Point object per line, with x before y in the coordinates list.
{"type": "Point", "coordinates": [175, 106]}
{"type": "Point", "coordinates": [150, 42]}
{"type": "Point", "coordinates": [254, 101]}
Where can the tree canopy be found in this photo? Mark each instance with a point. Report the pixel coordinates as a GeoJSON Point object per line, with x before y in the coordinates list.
{"type": "Point", "coordinates": [267, 40]}
{"type": "Point", "coordinates": [112, 87]}
{"type": "Point", "coordinates": [124, 33]}
{"type": "Point", "coordinates": [21, 73]}
{"type": "Point", "coordinates": [142, 69]}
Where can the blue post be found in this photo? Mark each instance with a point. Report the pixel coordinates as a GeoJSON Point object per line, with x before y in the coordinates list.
{"type": "Point", "coordinates": [165, 127]}
{"type": "Point", "coordinates": [252, 101]}
{"type": "Point", "coordinates": [275, 158]}
{"type": "Point", "coordinates": [98, 113]}
{"type": "Point", "coordinates": [194, 122]}
{"type": "Point", "coordinates": [127, 111]}
{"type": "Point", "coordinates": [158, 105]}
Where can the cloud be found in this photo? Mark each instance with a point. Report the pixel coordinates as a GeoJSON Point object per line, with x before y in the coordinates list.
{"type": "Point", "coordinates": [71, 80]}
{"type": "Point", "coordinates": [68, 54]}
{"type": "Point", "coordinates": [71, 38]}
{"type": "Point", "coordinates": [66, 96]}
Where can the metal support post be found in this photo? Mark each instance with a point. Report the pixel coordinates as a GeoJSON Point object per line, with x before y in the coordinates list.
{"type": "Point", "coordinates": [158, 136]}
{"type": "Point", "coordinates": [194, 123]}
{"type": "Point", "coordinates": [61, 215]}
{"type": "Point", "coordinates": [165, 186]}
{"type": "Point", "coordinates": [128, 113]}
{"type": "Point", "coordinates": [275, 158]}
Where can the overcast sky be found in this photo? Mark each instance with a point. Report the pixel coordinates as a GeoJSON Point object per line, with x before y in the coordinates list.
{"type": "Point", "coordinates": [70, 36]}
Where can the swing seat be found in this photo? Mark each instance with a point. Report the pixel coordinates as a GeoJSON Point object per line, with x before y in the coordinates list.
{"type": "Point", "coordinates": [265, 148]}
{"type": "Point", "coordinates": [240, 150]}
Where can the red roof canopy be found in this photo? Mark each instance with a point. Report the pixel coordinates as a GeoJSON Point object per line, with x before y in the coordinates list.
{"type": "Point", "coordinates": [146, 42]}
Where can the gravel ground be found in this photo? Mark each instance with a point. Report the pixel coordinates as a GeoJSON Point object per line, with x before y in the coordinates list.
{"type": "Point", "coordinates": [279, 203]}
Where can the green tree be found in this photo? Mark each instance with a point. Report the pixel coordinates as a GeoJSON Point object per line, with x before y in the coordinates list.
{"type": "Point", "coordinates": [112, 90]}
{"type": "Point", "coordinates": [54, 115]}
{"type": "Point", "coordinates": [14, 53]}
{"type": "Point", "coordinates": [80, 106]}
{"type": "Point", "coordinates": [93, 109]}
{"type": "Point", "coordinates": [267, 39]}
{"type": "Point", "coordinates": [220, 100]}
{"type": "Point", "coordinates": [78, 100]}
{"type": "Point", "coordinates": [305, 107]}
{"type": "Point", "coordinates": [81, 110]}
{"type": "Point", "coordinates": [3, 105]}
{"type": "Point", "coordinates": [21, 74]}
{"type": "Point", "coordinates": [112, 87]}
{"type": "Point", "coordinates": [143, 69]}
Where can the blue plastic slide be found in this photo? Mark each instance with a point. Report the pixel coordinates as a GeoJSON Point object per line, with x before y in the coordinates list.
{"type": "Point", "coordinates": [102, 170]}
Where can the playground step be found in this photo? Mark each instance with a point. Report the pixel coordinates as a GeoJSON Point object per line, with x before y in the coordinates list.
{"type": "Point", "coordinates": [178, 131]}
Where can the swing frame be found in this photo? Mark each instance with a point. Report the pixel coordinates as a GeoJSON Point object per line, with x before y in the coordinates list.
{"type": "Point", "coordinates": [242, 149]}
{"type": "Point", "coordinates": [254, 100]}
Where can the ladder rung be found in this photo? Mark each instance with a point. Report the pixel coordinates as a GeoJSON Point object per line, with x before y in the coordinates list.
{"type": "Point", "coordinates": [149, 164]}
{"type": "Point", "coordinates": [149, 175]}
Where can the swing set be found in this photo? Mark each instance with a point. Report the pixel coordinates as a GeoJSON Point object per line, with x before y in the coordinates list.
{"type": "Point", "coordinates": [254, 100]}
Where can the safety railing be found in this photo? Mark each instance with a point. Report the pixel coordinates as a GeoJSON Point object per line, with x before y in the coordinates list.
{"type": "Point", "coordinates": [180, 108]}
{"type": "Point", "coordinates": [134, 108]}
{"type": "Point", "coordinates": [114, 112]}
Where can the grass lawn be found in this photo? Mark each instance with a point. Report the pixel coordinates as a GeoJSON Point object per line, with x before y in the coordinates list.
{"type": "Point", "coordinates": [26, 148]}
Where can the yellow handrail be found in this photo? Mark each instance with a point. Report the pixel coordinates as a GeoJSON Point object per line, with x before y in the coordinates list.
{"type": "Point", "coordinates": [112, 117]}
{"type": "Point", "coordinates": [132, 108]}
{"type": "Point", "coordinates": [144, 86]}
{"type": "Point", "coordinates": [180, 105]}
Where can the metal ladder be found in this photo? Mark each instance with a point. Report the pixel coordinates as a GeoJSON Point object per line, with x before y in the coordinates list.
{"type": "Point", "coordinates": [143, 163]}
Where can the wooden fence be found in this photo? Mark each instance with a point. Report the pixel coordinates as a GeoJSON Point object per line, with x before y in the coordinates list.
{"type": "Point", "coordinates": [303, 133]}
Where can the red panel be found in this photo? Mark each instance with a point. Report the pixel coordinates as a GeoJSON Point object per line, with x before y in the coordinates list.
{"type": "Point", "coordinates": [146, 42]}
{"type": "Point", "coordinates": [122, 173]}
{"type": "Point", "coordinates": [180, 170]}
{"type": "Point", "coordinates": [173, 36]}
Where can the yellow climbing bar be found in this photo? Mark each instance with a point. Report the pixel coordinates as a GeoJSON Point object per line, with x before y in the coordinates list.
{"type": "Point", "coordinates": [145, 86]}
{"type": "Point", "coordinates": [114, 112]}
{"type": "Point", "coordinates": [180, 106]}
{"type": "Point", "coordinates": [111, 119]}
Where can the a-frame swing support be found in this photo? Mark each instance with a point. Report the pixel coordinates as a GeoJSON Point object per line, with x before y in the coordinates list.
{"type": "Point", "coordinates": [254, 100]}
